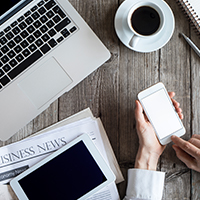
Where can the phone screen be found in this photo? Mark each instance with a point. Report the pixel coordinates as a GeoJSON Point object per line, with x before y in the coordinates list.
{"type": "Point", "coordinates": [161, 113]}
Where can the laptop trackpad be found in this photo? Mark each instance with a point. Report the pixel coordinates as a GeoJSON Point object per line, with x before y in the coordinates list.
{"type": "Point", "coordinates": [45, 82]}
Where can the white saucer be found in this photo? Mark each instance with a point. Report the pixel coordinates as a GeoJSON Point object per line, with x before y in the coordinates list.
{"type": "Point", "coordinates": [144, 45]}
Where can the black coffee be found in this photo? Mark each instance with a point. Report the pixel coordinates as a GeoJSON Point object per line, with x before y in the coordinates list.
{"type": "Point", "coordinates": [145, 20]}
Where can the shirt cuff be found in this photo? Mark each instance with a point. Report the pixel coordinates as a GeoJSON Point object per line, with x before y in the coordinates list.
{"type": "Point", "coordinates": [145, 184]}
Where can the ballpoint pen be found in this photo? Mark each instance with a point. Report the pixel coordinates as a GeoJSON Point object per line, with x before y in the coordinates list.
{"type": "Point", "coordinates": [194, 47]}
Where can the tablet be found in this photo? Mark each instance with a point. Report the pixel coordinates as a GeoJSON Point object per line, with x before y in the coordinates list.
{"type": "Point", "coordinates": [75, 171]}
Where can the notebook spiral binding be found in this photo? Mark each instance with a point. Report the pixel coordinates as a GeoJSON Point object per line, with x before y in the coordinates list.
{"type": "Point", "coordinates": [193, 18]}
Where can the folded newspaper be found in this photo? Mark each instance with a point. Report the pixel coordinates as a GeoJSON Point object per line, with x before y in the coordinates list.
{"type": "Point", "coordinates": [19, 156]}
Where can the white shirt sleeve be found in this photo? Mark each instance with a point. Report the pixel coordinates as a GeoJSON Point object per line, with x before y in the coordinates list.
{"type": "Point", "coordinates": [144, 185]}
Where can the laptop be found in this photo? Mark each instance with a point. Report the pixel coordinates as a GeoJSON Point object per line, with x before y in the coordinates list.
{"type": "Point", "coordinates": [46, 48]}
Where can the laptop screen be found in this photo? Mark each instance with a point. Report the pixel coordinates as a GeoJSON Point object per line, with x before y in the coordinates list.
{"type": "Point", "coordinates": [10, 7]}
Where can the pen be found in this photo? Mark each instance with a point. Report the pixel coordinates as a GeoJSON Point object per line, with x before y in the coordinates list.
{"type": "Point", "coordinates": [194, 47]}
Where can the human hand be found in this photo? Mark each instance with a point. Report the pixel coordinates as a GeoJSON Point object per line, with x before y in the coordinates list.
{"type": "Point", "coordinates": [188, 151]}
{"type": "Point", "coordinates": [150, 148]}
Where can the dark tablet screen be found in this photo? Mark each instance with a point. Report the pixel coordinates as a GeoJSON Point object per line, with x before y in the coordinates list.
{"type": "Point", "coordinates": [70, 175]}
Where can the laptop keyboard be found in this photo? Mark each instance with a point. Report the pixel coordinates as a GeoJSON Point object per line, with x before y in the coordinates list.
{"type": "Point", "coordinates": [32, 36]}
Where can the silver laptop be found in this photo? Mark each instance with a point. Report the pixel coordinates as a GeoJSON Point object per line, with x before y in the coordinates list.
{"type": "Point", "coordinates": [46, 48]}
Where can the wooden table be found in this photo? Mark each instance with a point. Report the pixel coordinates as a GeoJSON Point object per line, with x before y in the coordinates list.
{"type": "Point", "coordinates": [111, 90]}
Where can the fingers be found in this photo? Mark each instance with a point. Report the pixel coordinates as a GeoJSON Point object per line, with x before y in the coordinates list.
{"type": "Point", "coordinates": [171, 94]}
{"type": "Point", "coordinates": [196, 136]}
{"type": "Point", "coordinates": [195, 140]}
{"type": "Point", "coordinates": [180, 114]}
{"type": "Point", "coordinates": [184, 157]}
{"type": "Point", "coordinates": [176, 105]}
{"type": "Point", "coordinates": [188, 151]}
{"type": "Point", "coordinates": [186, 146]}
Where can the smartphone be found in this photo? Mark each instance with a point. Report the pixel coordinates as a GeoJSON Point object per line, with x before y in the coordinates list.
{"type": "Point", "coordinates": [161, 113]}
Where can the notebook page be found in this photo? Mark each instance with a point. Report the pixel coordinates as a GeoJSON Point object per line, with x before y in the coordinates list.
{"type": "Point", "coordinates": [195, 5]}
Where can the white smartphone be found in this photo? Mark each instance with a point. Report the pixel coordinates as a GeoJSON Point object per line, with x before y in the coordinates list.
{"type": "Point", "coordinates": [161, 112]}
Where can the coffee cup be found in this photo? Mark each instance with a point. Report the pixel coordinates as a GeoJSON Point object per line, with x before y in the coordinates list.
{"type": "Point", "coordinates": [145, 19]}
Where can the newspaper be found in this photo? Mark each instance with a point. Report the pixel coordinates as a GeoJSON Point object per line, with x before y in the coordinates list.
{"type": "Point", "coordinates": [109, 151]}
{"type": "Point", "coordinates": [17, 157]}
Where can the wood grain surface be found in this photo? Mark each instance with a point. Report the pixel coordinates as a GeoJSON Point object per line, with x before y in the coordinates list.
{"type": "Point", "coordinates": [111, 91]}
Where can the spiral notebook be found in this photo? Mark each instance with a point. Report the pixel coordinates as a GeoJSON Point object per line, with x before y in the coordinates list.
{"type": "Point", "coordinates": [192, 10]}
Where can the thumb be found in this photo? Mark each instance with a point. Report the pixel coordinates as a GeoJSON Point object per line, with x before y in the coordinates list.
{"type": "Point", "coordinates": [139, 116]}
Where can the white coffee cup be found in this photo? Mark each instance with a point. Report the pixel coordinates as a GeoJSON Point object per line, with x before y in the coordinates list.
{"type": "Point", "coordinates": [157, 11]}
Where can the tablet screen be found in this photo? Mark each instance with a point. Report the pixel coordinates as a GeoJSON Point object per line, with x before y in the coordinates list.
{"type": "Point", "coordinates": [70, 175]}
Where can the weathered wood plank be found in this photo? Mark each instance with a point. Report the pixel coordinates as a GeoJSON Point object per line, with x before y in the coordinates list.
{"type": "Point", "coordinates": [111, 90]}
{"type": "Point", "coordinates": [175, 74]}
{"type": "Point", "coordinates": [99, 91]}
{"type": "Point", "coordinates": [136, 72]}
{"type": "Point", "coordinates": [195, 93]}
